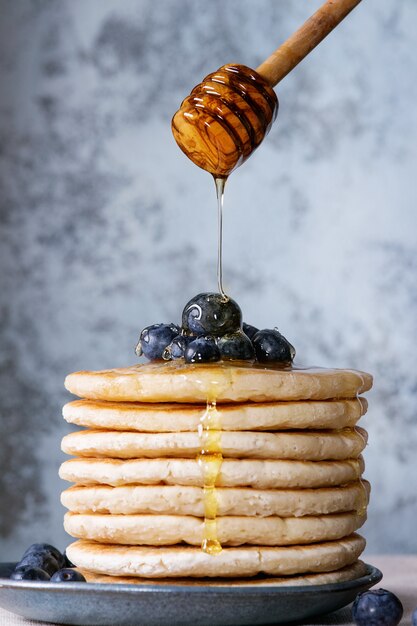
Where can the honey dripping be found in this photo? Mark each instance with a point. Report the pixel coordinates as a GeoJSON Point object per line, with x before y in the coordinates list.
{"type": "Point", "coordinates": [364, 496]}
{"type": "Point", "coordinates": [210, 460]}
{"type": "Point", "coordinates": [218, 126]}
{"type": "Point", "coordinates": [220, 186]}
{"type": "Point", "coordinates": [363, 499]}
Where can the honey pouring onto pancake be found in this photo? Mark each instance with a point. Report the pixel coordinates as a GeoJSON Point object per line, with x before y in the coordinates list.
{"type": "Point", "coordinates": [218, 126]}
{"type": "Point", "coordinates": [212, 331]}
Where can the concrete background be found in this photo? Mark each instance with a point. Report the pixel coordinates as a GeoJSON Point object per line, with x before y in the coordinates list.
{"type": "Point", "coordinates": [106, 227]}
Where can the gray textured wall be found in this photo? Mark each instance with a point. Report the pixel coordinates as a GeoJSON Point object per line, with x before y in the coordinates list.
{"type": "Point", "coordinates": [106, 227]}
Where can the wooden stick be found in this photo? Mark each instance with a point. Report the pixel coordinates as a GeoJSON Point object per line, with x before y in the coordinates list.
{"type": "Point", "coordinates": [305, 39]}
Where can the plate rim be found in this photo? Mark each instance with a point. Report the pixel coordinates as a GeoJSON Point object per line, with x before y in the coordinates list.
{"type": "Point", "coordinates": [373, 576]}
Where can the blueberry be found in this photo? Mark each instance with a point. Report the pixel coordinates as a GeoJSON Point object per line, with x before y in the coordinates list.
{"type": "Point", "coordinates": [377, 608]}
{"type": "Point", "coordinates": [154, 339]}
{"type": "Point", "coordinates": [211, 314]}
{"type": "Point", "coordinates": [29, 573]}
{"type": "Point", "coordinates": [176, 348]}
{"type": "Point", "coordinates": [45, 547]}
{"type": "Point", "coordinates": [68, 575]}
{"type": "Point", "coordinates": [272, 347]}
{"type": "Point", "coordinates": [236, 346]}
{"type": "Point", "coordinates": [41, 560]}
{"type": "Point", "coordinates": [249, 330]}
{"type": "Point", "coordinates": [202, 350]}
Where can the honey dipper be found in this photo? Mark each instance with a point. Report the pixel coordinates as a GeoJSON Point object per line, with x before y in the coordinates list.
{"type": "Point", "coordinates": [226, 117]}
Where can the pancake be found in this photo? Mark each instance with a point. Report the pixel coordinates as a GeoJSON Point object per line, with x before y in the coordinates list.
{"type": "Point", "coordinates": [181, 561]}
{"type": "Point", "coordinates": [298, 445]}
{"type": "Point", "coordinates": [175, 381]}
{"type": "Point", "coordinates": [163, 530]}
{"type": "Point", "coordinates": [185, 417]}
{"type": "Point", "coordinates": [350, 572]}
{"type": "Point", "coordinates": [259, 474]}
{"type": "Point", "coordinates": [180, 500]}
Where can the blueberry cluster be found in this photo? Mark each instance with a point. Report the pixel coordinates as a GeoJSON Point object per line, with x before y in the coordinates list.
{"type": "Point", "coordinates": [41, 561]}
{"type": "Point", "coordinates": [377, 608]}
{"type": "Point", "coordinates": [212, 330]}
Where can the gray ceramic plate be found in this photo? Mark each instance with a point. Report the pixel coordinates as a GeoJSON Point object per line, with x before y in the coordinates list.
{"type": "Point", "coordinates": [95, 604]}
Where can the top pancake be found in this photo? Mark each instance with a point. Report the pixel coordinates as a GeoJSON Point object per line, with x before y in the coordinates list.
{"type": "Point", "coordinates": [176, 381]}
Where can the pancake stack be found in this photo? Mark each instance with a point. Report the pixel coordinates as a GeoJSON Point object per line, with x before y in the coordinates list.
{"type": "Point", "coordinates": [213, 471]}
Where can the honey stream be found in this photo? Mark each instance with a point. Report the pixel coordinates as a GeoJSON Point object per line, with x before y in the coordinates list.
{"type": "Point", "coordinates": [211, 457]}
{"type": "Point", "coordinates": [364, 498]}
{"type": "Point", "coordinates": [210, 460]}
{"type": "Point", "coordinates": [220, 186]}
{"type": "Point", "coordinates": [218, 126]}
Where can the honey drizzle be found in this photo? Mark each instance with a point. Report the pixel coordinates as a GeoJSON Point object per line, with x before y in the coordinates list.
{"type": "Point", "coordinates": [210, 460]}
{"type": "Point", "coordinates": [220, 186]}
{"type": "Point", "coordinates": [363, 502]}
{"type": "Point", "coordinates": [364, 498]}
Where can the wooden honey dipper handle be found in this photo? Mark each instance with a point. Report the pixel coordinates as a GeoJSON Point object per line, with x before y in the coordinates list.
{"type": "Point", "coordinates": [305, 39]}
